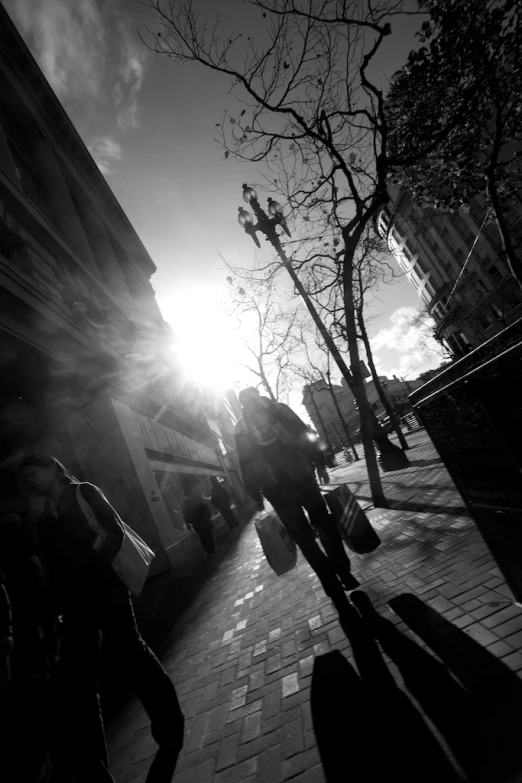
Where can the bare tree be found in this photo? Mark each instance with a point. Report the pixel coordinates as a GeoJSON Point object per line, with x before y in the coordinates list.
{"type": "Point", "coordinates": [267, 329]}
{"type": "Point", "coordinates": [313, 112]}
{"type": "Point", "coordinates": [370, 273]}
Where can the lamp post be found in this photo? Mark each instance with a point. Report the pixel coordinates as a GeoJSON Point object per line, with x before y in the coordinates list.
{"type": "Point", "coordinates": [391, 457]}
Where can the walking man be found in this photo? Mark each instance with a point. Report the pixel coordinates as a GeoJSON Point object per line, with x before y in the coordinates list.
{"type": "Point", "coordinates": [277, 460]}
{"type": "Point", "coordinates": [198, 516]}
{"type": "Point", "coordinates": [220, 499]}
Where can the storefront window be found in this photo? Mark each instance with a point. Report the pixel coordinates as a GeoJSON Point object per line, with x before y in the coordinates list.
{"type": "Point", "coordinates": [171, 489]}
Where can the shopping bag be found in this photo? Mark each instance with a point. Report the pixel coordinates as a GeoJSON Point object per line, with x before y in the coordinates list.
{"type": "Point", "coordinates": [278, 545]}
{"type": "Point", "coordinates": [351, 521]}
{"type": "Point", "coordinates": [133, 560]}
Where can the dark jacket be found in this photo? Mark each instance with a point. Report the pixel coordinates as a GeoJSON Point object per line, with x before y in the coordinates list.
{"type": "Point", "coordinates": [67, 540]}
{"type": "Point", "coordinates": [278, 454]}
{"type": "Point", "coordinates": [220, 499]}
{"type": "Point", "coordinates": [197, 513]}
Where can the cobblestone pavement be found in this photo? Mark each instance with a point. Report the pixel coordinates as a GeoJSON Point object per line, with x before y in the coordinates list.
{"type": "Point", "coordinates": [241, 656]}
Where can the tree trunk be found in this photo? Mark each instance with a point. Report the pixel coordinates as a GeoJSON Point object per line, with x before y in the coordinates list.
{"type": "Point", "coordinates": [513, 261]}
{"type": "Point", "coordinates": [366, 420]}
{"type": "Point", "coordinates": [265, 381]}
{"type": "Point", "coordinates": [379, 501]}
{"type": "Point", "coordinates": [378, 385]}
{"type": "Point", "coordinates": [321, 422]}
{"type": "Point", "coordinates": [343, 421]}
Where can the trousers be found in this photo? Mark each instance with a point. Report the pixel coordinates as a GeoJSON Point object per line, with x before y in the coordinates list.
{"type": "Point", "coordinates": [229, 517]}
{"type": "Point", "coordinates": [104, 606]}
{"type": "Point", "coordinates": [288, 501]}
{"type": "Point", "coordinates": [206, 535]}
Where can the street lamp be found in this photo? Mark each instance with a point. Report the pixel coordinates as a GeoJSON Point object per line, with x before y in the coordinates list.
{"type": "Point", "coordinates": [249, 194]}
{"type": "Point", "coordinates": [247, 221]}
{"type": "Point", "coordinates": [391, 456]}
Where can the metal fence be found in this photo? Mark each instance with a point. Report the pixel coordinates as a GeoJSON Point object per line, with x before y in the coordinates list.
{"type": "Point", "coordinates": [473, 413]}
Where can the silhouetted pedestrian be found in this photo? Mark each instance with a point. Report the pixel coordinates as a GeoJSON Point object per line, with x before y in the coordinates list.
{"type": "Point", "coordinates": [24, 709]}
{"type": "Point", "coordinates": [92, 598]}
{"type": "Point", "coordinates": [31, 602]}
{"type": "Point", "coordinates": [198, 516]}
{"type": "Point", "coordinates": [277, 459]}
{"type": "Point", "coordinates": [220, 499]}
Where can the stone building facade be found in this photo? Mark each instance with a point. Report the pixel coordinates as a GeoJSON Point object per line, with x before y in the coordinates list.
{"type": "Point", "coordinates": [324, 413]}
{"type": "Point", "coordinates": [454, 262]}
{"type": "Point", "coordinates": [86, 362]}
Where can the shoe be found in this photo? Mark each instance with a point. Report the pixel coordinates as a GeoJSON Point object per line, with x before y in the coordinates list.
{"type": "Point", "coordinates": [350, 583]}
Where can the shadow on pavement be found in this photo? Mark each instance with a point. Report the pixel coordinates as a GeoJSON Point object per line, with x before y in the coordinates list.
{"type": "Point", "coordinates": [400, 500]}
{"type": "Point", "coordinates": [428, 508]}
{"type": "Point", "coordinates": [421, 463]}
{"type": "Point", "coordinates": [160, 608]}
{"type": "Point", "coordinates": [493, 721]}
{"type": "Point", "coordinates": [368, 728]}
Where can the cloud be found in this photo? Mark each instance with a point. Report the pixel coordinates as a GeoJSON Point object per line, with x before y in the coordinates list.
{"type": "Point", "coordinates": [105, 151]}
{"type": "Point", "coordinates": [67, 39]}
{"type": "Point", "coordinates": [406, 347]}
{"type": "Point", "coordinates": [127, 88]}
{"type": "Point", "coordinates": [88, 51]}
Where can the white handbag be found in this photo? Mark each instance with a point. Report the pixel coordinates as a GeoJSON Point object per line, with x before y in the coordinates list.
{"type": "Point", "coordinates": [132, 562]}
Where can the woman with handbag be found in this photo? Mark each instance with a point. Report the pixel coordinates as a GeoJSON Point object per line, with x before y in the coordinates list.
{"type": "Point", "coordinates": [92, 598]}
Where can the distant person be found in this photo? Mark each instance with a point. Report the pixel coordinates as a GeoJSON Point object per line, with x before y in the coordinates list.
{"type": "Point", "coordinates": [92, 598]}
{"type": "Point", "coordinates": [220, 499]}
{"type": "Point", "coordinates": [277, 460]}
{"type": "Point", "coordinates": [198, 516]}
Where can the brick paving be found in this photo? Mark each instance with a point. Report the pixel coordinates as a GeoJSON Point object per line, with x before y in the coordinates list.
{"type": "Point", "coordinates": [242, 654]}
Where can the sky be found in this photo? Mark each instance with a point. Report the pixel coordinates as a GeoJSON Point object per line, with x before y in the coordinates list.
{"type": "Point", "coordinates": [150, 125]}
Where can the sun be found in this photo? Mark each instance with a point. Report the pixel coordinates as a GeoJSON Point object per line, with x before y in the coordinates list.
{"type": "Point", "coordinates": [207, 345]}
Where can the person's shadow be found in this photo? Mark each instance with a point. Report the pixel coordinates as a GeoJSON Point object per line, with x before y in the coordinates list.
{"type": "Point", "coordinates": [429, 728]}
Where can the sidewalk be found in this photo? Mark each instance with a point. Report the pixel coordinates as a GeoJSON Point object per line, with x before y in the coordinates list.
{"type": "Point", "coordinates": [242, 654]}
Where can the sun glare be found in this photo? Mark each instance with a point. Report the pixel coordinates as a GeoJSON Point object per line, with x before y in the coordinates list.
{"type": "Point", "coordinates": [206, 344]}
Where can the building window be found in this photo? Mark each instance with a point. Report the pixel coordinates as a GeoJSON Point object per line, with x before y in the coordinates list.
{"type": "Point", "coordinates": [512, 299]}
{"type": "Point", "coordinates": [414, 280]}
{"type": "Point", "coordinates": [420, 267]}
{"type": "Point", "coordinates": [459, 254]}
{"type": "Point", "coordinates": [384, 220]}
{"type": "Point", "coordinates": [476, 281]}
{"type": "Point", "coordinates": [482, 322]}
{"type": "Point", "coordinates": [517, 228]}
{"type": "Point", "coordinates": [432, 243]}
{"type": "Point", "coordinates": [494, 273]}
{"type": "Point", "coordinates": [465, 230]}
{"type": "Point", "coordinates": [496, 313]}
{"type": "Point", "coordinates": [395, 235]}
